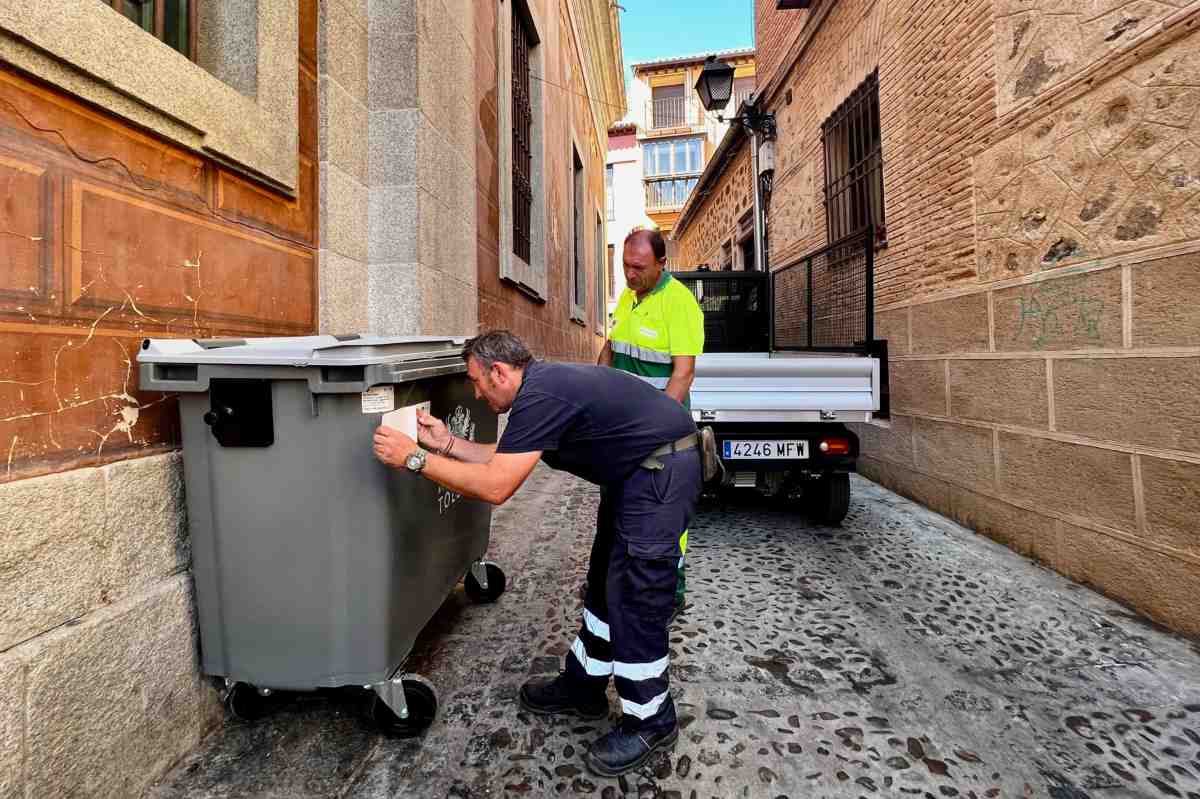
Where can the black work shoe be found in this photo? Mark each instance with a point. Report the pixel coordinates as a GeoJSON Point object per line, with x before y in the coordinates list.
{"type": "Point", "coordinates": [622, 751]}
{"type": "Point", "coordinates": [553, 697]}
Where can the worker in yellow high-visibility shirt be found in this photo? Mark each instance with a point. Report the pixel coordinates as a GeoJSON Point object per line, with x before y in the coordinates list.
{"type": "Point", "coordinates": [658, 332]}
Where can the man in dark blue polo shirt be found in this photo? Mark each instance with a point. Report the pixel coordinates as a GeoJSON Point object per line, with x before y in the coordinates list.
{"type": "Point", "coordinates": [614, 430]}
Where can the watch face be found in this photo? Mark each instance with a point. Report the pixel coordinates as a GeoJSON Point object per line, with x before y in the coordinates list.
{"type": "Point", "coordinates": [415, 461]}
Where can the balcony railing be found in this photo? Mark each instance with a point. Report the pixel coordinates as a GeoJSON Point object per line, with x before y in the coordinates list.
{"type": "Point", "coordinates": [673, 112]}
{"type": "Point", "coordinates": [664, 194]}
{"type": "Point", "coordinates": [738, 98]}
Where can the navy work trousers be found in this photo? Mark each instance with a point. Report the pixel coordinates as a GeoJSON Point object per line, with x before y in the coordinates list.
{"type": "Point", "coordinates": [631, 590]}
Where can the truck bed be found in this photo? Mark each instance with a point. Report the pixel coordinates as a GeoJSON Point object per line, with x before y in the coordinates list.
{"type": "Point", "coordinates": [763, 387]}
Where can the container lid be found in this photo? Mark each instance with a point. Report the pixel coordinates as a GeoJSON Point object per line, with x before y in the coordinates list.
{"type": "Point", "coordinates": [352, 350]}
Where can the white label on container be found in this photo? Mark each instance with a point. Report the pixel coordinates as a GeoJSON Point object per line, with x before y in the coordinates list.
{"type": "Point", "coordinates": [379, 399]}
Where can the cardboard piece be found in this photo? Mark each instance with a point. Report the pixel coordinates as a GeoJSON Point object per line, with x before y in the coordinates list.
{"type": "Point", "coordinates": [405, 419]}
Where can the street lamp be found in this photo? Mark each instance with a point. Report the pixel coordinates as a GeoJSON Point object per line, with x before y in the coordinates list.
{"type": "Point", "coordinates": [715, 87]}
{"type": "Point", "coordinates": [715, 84]}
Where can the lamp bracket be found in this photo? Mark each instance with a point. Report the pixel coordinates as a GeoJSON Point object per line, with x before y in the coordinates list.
{"type": "Point", "coordinates": [753, 120]}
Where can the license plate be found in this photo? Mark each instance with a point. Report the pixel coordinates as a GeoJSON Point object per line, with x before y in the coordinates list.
{"type": "Point", "coordinates": [766, 450]}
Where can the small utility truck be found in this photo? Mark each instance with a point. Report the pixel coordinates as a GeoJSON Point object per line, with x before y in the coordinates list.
{"type": "Point", "coordinates": [789, 360]}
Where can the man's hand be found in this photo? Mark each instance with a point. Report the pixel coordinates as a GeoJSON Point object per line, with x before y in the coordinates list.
{"type": "Point", "coordinates": [393, 447]}
{"type": "Point", "coordinates": [432, 432]}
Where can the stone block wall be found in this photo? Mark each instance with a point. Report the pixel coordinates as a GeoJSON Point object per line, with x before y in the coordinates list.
{"type": "Point", "coordinates": [1039, 286]}
{"type": "Point", "coordinates": [100, 689]}
{"type": "Point", "coordinates": [398, 166]}
{"type": "Point", "coordinates": [1046, 393]}
{"type": "Point", "coordinates": [115, 233]}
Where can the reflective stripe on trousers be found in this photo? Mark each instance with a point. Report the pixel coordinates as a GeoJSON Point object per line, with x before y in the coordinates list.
{"type": "Point", "coordinates": [631, 591]}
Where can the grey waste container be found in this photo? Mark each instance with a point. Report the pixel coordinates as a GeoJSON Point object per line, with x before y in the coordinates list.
{"type": "Point", "coordinates": [315, 565]}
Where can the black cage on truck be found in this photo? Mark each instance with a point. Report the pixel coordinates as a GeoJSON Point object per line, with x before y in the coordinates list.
{"type": "Point", "coordinates": [821, 302]}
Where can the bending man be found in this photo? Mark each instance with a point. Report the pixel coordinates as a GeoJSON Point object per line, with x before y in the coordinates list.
{"type": "Point", "coordinates": [618, 432]}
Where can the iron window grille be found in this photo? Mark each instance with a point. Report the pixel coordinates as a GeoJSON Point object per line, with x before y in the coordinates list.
{"type": "Point", "coordinates": [601, 305]}
{"type": "Point", "coordinates": [522, 137]}
{"type": "Point", "coordinates": [579, 271]}
{"type": "Point", "coordinates": [172, 22]}
{"type": "Point", "coordinates": [854, 165]}
{"type": "Point", "coordinates": [669, 107]}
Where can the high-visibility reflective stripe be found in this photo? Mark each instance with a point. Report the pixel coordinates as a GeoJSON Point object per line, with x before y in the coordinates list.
{"type": "Point", "coordinates": [594, 668]}
{"type": "Point", "coordinates": [657, 382]}
{"type": "Point", "coordinates": [641, 671]}
{"type": "Point", "coordinates": [641, 353]}
{"type": "Point", "coordinates": [643, 711]}
{"type": "Point", "coordinates": [595, 626]}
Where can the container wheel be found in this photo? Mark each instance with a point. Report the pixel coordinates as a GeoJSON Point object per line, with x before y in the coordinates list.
{"type": "Point", "coordinates": [828, 499]}
{"type": "Point", "coordinates": [496, 583]}
{"type": "Point", "coordinates": [422, 709]}
{"type": "Point", "coordinates": [244, 702]}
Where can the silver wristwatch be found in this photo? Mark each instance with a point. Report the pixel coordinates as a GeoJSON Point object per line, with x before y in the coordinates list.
{"type": "Point", "coordinates": [416, 461]}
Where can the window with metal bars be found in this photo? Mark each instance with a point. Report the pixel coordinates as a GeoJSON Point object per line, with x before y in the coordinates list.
{"type": "Point", "coordinates": [579, 267]}
{"type": "Point", "coordinates": [599, 322]}
{"type": "Point", "coordinates": [171, 21]}
{"type": "Point", "coordinates": [854, 165]}
{"type": "Point", "coordinates": [522, 137]}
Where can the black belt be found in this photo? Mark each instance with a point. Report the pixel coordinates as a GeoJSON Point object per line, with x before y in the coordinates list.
{"type": "Point", "coordinates": [652, 462]}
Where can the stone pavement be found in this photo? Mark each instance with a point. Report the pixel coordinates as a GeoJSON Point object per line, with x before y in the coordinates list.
{"type": "Point", "coordinates": [899, 655]}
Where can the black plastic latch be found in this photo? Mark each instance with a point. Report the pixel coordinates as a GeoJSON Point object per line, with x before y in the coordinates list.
{"type": "Point", "coordinates": [241, 413]}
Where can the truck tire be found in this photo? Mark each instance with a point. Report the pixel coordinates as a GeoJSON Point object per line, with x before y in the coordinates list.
{"type": "Point", "coordinates": [828, 499]}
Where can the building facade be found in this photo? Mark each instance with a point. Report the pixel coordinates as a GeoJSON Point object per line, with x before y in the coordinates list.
{"type": "Point", "coordinates": [677, 136]}
{"type": "Point", "coordinates": [674, 139]}
{"type": "Point", "coordinates": [626, 200]}
{"type": "Point", "coordinates": [280, 167]}
{"type": "Point", "coordinates": [1031, 170]}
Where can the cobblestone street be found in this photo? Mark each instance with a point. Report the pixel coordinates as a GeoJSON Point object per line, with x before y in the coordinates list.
{"type": "Point", "coordinates": [897, 655]}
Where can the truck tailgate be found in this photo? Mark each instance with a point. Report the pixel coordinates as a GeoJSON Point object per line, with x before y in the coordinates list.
{"type": "Point", "coordinates": [753, 387]}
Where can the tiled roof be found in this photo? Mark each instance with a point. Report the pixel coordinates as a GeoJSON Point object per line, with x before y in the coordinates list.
{"type": "Point", "coordinates": [699, 58]}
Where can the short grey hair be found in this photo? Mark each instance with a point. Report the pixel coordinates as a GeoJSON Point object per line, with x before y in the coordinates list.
{"type": "Point", "coordinates": [653, 239]}
{"type": "Point", "coordinates": [497, 346]}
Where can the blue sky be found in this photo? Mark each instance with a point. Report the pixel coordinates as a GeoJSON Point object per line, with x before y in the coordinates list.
{"type": "Point", "coordinates": [653, 29]}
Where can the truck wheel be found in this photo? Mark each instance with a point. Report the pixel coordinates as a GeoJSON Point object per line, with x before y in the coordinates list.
{"type": "Point", "coordinates": [828, 499]}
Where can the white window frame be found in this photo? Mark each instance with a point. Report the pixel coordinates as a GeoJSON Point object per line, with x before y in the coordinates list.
{"type": "Point", "coordinates": [530, 277]}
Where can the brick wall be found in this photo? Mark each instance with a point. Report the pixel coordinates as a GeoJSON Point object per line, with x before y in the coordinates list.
{"type": "Point", "coordinates": [1038, 291]}
{"type": "Point", "coordinates": [774, 31]}
{"type": "Point", "coordinates": [715, 222]}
